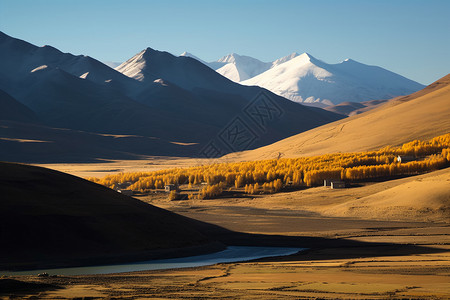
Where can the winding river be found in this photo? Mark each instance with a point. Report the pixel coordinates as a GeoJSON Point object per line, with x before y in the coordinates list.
{"type": "Point", "coordinates": [231, 254]}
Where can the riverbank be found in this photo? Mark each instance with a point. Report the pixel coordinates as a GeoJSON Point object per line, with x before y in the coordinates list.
{"type": "Point", "coordinates": [229, 255]}
{"type": "Point", "coordinates": [416, 266]}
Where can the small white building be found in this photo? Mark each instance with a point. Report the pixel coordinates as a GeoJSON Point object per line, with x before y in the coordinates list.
{"type": "Point", "coordinates": [126, 192]}
{"type": "Point", "coordinates": [404, 158]}
{"type": "Point", "coordinates": [170, 187]}
{"type": "Point", "coordinates": [337, 184]}
{"type": "Point", "coordinates": [327, 182]}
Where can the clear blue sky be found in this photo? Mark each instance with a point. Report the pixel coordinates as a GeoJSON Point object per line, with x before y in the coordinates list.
{"type": "Point", "coordinates": [409, 37]}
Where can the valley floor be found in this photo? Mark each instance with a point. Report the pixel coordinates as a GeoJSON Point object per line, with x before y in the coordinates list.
{"type": "Point", "coordinates": [107, 167]}
{"type": "Point", "coordinates": [398, 256]}
{"type": "Point", "coordinates": [379, 272]}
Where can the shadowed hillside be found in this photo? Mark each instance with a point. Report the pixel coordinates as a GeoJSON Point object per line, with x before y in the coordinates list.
{"type": "Point", "coordinates": [165, 97]}
{"type": "Point", "coordinates": [27, 142]}
{"type": "Point", "coordinates": [11, 109]}
{"type": "Point", "coordinates": [51, 218]}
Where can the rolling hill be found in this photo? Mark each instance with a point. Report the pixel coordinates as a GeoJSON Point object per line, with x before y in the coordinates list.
{"type": "Point", "coordinates": [354, 108]}
{"type": "Point", "coordinates": [48, 218]}
{"type": "Point", "coordinates": [419, 198]}
{"type": "Point", "coordinates": [421, 115]}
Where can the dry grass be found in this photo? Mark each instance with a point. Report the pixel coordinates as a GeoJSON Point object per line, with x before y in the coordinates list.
{"type": "Point", "coordinates": [101, 169]}
{"type": "Point", "coordinates": [424, 198]}
{"type": "Point", "coordinates": [421, 115]}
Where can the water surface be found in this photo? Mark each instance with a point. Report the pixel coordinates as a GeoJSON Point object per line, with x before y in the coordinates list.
{"type": "Point", "coordinates": [231, 254]}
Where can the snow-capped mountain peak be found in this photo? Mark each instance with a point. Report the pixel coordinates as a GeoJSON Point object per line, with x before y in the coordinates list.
{"type": "Point", "coordinates": [133, 67]}
{"type": "Point", "coordinates": [188, 54]}
{"type": "Point", "coordinates": [136, 66]}
{"type": "Point", "coordinates": [303, 58]}
{"type": "Point", "coordinates": [284, 59]}
{"type": "Point", "coordinates": [309, 80]}
{"type": "Point", "coordinates": [298, 77]}
{"type": "Point", "coordinates": [232, 57]}
{"type": "Point", "coordinates": [241, 67]}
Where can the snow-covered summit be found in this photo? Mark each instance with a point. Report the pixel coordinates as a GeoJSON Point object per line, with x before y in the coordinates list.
{"type": "Point", "coordinates": [304, 78]}
{"type": "Point", "coordinates": [183, 71]}
{"type": "Point", "coordinates": [284, 59]}
{"type": "Point", "coordinates": [187, 54]}
{"type": "Point", "coordinates": [241, 67]}
{"type": "Point", "coordinates": [310, 80]}
{"type": "Point", "coordinates": [133, 67]}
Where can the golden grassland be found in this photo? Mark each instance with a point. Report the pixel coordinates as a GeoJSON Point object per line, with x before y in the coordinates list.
{"type": "Point", "coordinates": [421, 115]}
{"type": "Point", "coordinates": [101, 168]}
{"type": "Point", "coordinates": [271, 176]}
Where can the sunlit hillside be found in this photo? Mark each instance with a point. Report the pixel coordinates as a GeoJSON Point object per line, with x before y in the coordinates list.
{"type": "Point", "coordinates": [421, 115]}
{"type": "Point", "coordinates": [270, 176]}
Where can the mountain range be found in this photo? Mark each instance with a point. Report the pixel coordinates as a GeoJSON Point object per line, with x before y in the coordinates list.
{"type": "Point", "coordinates": [306, 79]}
{"type": "Point", "coordinates": [240, 67]}
{"type": "Point", "coordinates": [177, 102]}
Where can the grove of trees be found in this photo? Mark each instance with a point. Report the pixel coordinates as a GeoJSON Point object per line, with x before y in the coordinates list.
{"type": "Point", "coordinates": [271, 176]}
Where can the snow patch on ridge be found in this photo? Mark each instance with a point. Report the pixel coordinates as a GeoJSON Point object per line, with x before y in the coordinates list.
{"type": "Point", "coordinates": [160, 81]}
{"type": "Point", "coordinates": [43, 67]}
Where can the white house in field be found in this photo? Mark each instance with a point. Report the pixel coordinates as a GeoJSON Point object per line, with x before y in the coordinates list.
{"type": "Point", "coordinates": [126, 192]}
{"type": "Point", "coordinates": [337, 184]}
{"type": "Point", "coordinates": [334, 183]}
{"type": "Point", "coordinates": [170, 187]}
{"type": "Point", "coordinates": [404, 158]}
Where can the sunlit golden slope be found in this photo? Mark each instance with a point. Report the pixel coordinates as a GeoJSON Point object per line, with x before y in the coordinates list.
{"type": "Point", "coordinates": [419, 198]}
{"type": "Point", "coordinates": [421, 115]}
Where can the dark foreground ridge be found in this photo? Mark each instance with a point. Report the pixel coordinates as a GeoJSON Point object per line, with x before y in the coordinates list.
{"type": "Point", "coordinates": [12, 286]}
{"type": "Point", "coordinates": [50, 219]}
